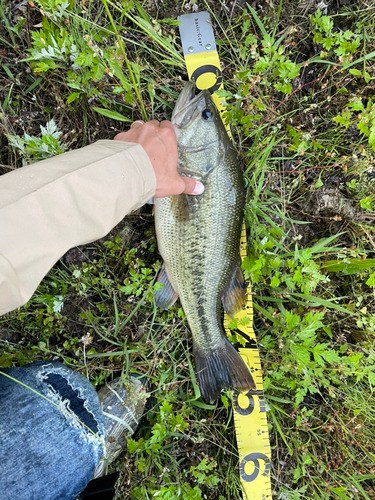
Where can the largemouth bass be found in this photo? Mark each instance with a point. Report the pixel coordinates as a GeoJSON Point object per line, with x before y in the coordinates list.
{"type": "Point", "coordinates": [198, 238]}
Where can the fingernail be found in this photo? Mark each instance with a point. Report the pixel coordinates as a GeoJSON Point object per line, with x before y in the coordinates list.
{"type": "Point", "coordinates": [199, 188]}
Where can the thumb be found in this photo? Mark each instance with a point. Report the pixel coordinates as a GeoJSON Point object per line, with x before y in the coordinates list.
{"type": "Point", "coordinates": [192, 186]}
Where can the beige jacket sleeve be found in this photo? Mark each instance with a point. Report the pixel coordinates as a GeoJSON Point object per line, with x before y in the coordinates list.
{"type": "Point", "coordinates": [49, 207]}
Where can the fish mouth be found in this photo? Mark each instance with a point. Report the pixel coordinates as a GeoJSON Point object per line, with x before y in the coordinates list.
{"type": "Point", "coordinates": [185, 109]}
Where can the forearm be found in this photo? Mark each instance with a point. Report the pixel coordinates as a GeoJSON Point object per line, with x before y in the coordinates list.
{"type": "Point", "coordinates": [72, 199]}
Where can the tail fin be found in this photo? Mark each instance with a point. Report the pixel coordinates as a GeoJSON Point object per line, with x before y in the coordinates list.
{"type": "Point", "coordinates": [219, 369]}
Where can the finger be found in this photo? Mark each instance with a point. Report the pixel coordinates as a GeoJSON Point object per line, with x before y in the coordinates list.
{"type": "Point", "coordinates": [167, 130]}
{"type": "Point", "coordinates": [166, 124]}
{"type": "Point", "coordinates": [137, 124]}
{"type": "Point", "coordinates": [155, 123]}
{"type": "Point", "coordinates": [192, 186]}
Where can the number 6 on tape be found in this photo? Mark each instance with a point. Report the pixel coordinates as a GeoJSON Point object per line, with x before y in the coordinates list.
{"type": "Point", "coordinates": [249, 410]}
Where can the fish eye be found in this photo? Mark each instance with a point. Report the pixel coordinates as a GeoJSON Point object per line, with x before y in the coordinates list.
{"type": "Point", "coordinates": [207, 115]}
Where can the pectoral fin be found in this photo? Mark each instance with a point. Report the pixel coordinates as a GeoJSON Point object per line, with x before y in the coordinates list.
{"type": "Point", "coordinates": [165, 297]}
{"type": "Point", "coordinates": [180, 207]}
{"type": "Point", "coordinates": [235, 296]}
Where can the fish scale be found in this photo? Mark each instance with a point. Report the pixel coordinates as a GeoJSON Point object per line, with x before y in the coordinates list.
{"type": "Point", "coordinates": [198, 238]}
{"type": "Point", "coordinates": [200, 266]}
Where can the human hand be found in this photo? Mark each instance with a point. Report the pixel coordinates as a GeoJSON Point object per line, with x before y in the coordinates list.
{"type": "Point", "coordinates": [160, 143]}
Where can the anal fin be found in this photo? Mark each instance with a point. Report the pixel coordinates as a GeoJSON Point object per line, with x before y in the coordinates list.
{"type": "Point", "coordinates": [166, 296]}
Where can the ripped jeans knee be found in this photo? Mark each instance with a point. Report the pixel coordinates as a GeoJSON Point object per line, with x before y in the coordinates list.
{"type": "Point", "coordinates": [51, 430]}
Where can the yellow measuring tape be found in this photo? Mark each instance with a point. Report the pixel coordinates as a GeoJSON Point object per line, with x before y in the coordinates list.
{"type": "Point", "coordinates": [203, 66]}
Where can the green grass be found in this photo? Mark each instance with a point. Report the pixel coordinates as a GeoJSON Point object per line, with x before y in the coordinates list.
{"type": "Point", "coordinates": [299, 91]}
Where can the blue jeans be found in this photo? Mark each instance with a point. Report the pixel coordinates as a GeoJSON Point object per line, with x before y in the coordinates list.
{"type": "Point", "coordinates": [49, 448]}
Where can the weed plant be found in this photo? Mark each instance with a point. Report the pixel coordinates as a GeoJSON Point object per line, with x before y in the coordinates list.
{"type": "Point", "coordinates": [299, 100]}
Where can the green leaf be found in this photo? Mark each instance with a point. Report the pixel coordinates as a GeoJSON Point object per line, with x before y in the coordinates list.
{"type": "Point", "coordinates": [322, 245]}
{"type": "Point", "coordinates": [355, 72]}
{"type": "Point", "coordinates": [275, 282]}
{"type": "Point", "coordinates": [366, 76]}
{"type": "Point", "coordinates": [33, 85]}
{"type": "Point", "coordinates": [371, 137]}
{"type": "Point", "coordinates": [200, 404]}
{"type": "Point", "coordinates": [301, 353]}
{"type": "Point", "coordinates": [257, 20]}
{"type": "Point", "coordinates": [362, 127]}
{"type": "Point", "coordinates": [157, 38]}
{"type": "Point", "coordinates": [344, 119]}
{"type": "Point", "coordinates": [370, 55]}
{"type": "Point", "coordinates": [317, 354]}
{"type": "Point", "coordinates": [330, 356]}
{"type": "Point", "coordinates": [356, 105]}
{"type": "Point", "coordinates": [97, 71]}
{"type": "Point", "coordinates": [41, 67]}
{"type": "Point", "coordinates": [322, 302]}
{"type": "Point", "coordinates": [72, 97]}
{"type": "Point", "coordinates": [111, 114]}
{"type": "Point", "coordinates": [371, 377]}
{"type": "Point", "coordinates": [84, 58]}
{"type": "Point", "coordinates": [352, 267]}
{"type": "Point", "coordinates": [339, 491]}
{"type": "Point", "coordinates": [132, 445]}
{"type": "Point", "coordinates": [366, 203]}
{"type": "Point", "coordinates": [371, 280]}
{"type": "Point", "coordinates": [318, 183]}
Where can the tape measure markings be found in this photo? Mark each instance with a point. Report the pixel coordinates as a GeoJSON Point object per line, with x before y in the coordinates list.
{"type": "Point", "coordinates": [249, 410]}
